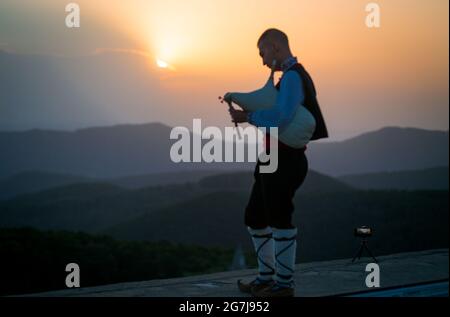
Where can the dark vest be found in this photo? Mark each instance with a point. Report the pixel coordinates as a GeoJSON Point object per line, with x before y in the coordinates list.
{"type": "Point", "coordinates": [310, 102]}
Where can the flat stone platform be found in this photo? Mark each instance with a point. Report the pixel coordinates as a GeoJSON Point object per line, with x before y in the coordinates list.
{"type": "Point", "coordinates": [329, 278]}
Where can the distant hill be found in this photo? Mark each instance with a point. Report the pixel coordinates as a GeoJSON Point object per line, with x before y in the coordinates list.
{"type": "Point", "coordinates": [94, 206]}
{"type": "Point", "coordinates": [431, 178]}
{"type": "Point", "coordinates": [123, 150]}
{"type": "Point", "coordinates": [32, 181]}
{"type": "Point", "coordinates": [387, 149]}
{"type": "Point", "coordinates": [161, 179]}
{"type": "Point", "coordinates": [211, 213]}
{"type": "Point", "coordinates": [89, 207]}
{"type": "Point", "coordinates": [103, 152]}
{"type": "Point", "coordinates": [402, 221]}
{"type": "Point", "coordinates": [314, 182]}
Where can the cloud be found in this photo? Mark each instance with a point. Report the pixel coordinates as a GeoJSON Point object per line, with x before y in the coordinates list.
{"type": "Point", "coordinates": [128, 51]}
{"type": "Point", "coordinates": [48, 91]}
{"type": "Point", "coordinates": [103, 50]}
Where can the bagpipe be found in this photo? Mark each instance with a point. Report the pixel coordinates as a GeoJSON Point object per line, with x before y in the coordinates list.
{"type": "Point", "coordinates": [299, 130]}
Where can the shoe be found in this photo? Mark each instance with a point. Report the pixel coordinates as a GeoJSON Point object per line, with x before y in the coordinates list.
{"type": "Point", "coordinates": [254, 286]}
{"type": "Point", "coordinates": [274, 291]}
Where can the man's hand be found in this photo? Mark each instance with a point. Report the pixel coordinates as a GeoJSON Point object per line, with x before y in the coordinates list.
{"type": "Point", "coordinates": [238, 116]}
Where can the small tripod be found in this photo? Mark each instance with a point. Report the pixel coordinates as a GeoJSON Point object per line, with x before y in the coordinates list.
{"type": "Point", "coordinates": [361, 249]}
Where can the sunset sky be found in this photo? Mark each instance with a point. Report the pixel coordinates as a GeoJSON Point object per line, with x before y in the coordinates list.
{"type": "Point", "coordinates": [396, 75]}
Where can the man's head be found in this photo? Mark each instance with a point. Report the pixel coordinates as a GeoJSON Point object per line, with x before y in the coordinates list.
{"type": "Point", "coordinates": [273, 44]}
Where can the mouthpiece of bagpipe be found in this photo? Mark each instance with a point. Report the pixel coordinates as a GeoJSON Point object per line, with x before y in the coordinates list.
{"type": "Point", "coordinates": [298, 132]}
{"type": "Point", "coordinates": [230, 106]}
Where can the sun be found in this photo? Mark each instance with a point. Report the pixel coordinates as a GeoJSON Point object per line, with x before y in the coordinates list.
{"type": "Point", "coordinates": [161, 64]}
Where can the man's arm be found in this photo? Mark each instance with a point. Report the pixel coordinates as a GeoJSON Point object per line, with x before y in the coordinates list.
{"type": "Point", "coordinates": [291, 95]}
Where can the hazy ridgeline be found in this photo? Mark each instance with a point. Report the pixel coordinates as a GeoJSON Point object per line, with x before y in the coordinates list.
{"type": "Point", "coordinates": [205, 221]}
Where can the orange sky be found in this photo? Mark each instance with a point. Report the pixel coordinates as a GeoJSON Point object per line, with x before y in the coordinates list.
{"type": "Point", "coordinates": [377, 77]}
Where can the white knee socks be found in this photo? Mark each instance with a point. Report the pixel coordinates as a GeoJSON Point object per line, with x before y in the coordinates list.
{"type": "Point", "coordinates": [264, 247]}
{"type": "Point", "coordinates": [285, 247]}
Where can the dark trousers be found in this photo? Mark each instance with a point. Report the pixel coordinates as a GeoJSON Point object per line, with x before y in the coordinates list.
{"type": "Point", "coordinates": [270, 201]}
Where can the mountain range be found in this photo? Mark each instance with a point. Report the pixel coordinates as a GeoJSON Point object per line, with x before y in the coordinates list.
{"type": "Point", "coordinates": [210, 212]}
{"type": "Point", "coordinates": [430, 178]}
{"type": "Point", "coordinates": [402, 221]}
{"type": "Point", "coordinates": [124, 150]}
{"type": "Point", "coordinates": [95, 206]}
